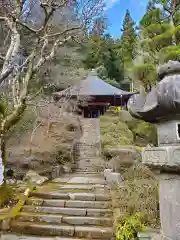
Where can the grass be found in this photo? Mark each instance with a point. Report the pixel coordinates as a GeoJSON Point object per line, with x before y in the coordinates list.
{"type": "Point", "coordinates": [6, 194]}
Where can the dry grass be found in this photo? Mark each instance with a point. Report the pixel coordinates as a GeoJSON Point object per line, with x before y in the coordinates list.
{"type": "Point", "coordinates": [139, 193]}
{"type": "Point", "coordinates": [43, 138]}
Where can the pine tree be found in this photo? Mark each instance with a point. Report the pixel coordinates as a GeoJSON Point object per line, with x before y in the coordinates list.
{"type": "Point", "coordinates": [160, 39]}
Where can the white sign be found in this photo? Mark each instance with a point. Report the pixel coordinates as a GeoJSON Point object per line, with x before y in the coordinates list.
{"type": "Point", "coordinates": [1, 170]}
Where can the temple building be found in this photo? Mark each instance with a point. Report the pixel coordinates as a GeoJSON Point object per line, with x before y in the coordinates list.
{"type": "Point", "coordinates": [95, 96]}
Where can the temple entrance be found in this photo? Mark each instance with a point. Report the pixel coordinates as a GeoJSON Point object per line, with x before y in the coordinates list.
{"type": "Point", "coordinates": [95, 111]}
{"type": "Point", "coordinates": [95, 96]}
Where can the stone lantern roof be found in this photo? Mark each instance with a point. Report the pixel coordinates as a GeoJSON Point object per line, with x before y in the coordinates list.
{"type": "Point", "coordinates": [163, 101]}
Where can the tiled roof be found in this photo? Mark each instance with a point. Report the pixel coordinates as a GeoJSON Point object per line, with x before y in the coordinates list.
{"type": "Point", "coordinates": [94, 86]}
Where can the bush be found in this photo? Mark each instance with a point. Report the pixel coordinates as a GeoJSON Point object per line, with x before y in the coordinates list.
{"type": "Point", "coordinates": [6, 194]}
{"type": "Point", "coordinates": [114, 133]}
{"type": "Point", "coordinates": [143, 133]}
{"type": "Point", "coordinates": [63, 154]}
{"type": "Point", "coordinates": [139, 194]}
{"type": "Point", "coordinates": [120, 129]}
{"type": "Point", "coordinates": [128, 228]}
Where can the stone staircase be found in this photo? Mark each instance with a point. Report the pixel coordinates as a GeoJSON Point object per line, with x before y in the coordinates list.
{"type": "Point", "coordinates": [90, 146]}
{"type": "Point", "coordinates": [75, 206]}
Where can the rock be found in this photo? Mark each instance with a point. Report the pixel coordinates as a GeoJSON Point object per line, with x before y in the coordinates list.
{"type": "Point", "coordinates": [25, 162]}
{"type": "Point", "coordinates": [5, 225]}
{"type": "Point", "coordinates": [56, 172]}
{"type": "Point", "coordinates": [107, 172]}
{"type": "Point", "coordinates": [11, 181]}
{"type": "Point", "coordinates": [66, 169]}
{"type": "Point", "coordinates": [123, 157]}
{"type": "Point", "coordinates": [19, 182]}
{"type": "Point", "coordinates": [115, 179]}
{"type": "Point", "coordinates": [158, 237]}
{"type": "Point", "coordinates": [35, 178]}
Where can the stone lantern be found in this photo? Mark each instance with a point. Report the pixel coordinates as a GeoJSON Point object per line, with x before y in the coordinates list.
{"type": "Point", "coordinates": [161, 106]}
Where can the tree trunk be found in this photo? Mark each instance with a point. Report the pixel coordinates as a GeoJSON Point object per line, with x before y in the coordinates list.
{"type": "Point", "coordinates": [3, 152]}
{"type": "Point", "coordinates": [172, 21]}
{"type": "Point", "coordinates": [3, 149]}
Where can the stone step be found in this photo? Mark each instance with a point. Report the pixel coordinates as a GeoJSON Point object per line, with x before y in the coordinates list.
{"type": "Point", "coordinates": [88, 173]}
{"type": "Point", "coordinates": [68, 203]}
{"type": "Point", "coordinates": [77, 187]}
{"type": "Point", "coordinates": [66, 190]}
{"type": "Point", "coordinates": [72, 196]}
{"type": "Point", "coordinates": [81, 180]}
{"type": "Point", "coordinates": [7, 236]}
{"type": "Point", "coordinates": [62, 230]}
{"type": "Point", "coordinates": [72, 190]}
{"type": "Point", "coordinates": [59, 219]}
{"type": "Point", "coordinates": [68, 211]}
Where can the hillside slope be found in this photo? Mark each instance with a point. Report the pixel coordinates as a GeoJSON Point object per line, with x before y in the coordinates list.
{"type": "Point", "coordinates": [44, 137]}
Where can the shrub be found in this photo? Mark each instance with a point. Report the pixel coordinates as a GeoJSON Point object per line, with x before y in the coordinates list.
{"type": "Point", "coordinates": [6, 194]}
{"type": "Point", "coordinates": [128, 228]}
{"type": "Point", "coordinates": [143, 133]}
{"type": "Point", "coordinates": [119, 129]}
{"type": "Point", "coordinates": [138, 194]}
{"type": "Point", "coordinates": [114, 133]}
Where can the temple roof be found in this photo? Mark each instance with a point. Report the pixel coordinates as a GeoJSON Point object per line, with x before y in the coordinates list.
{"type": "Point", "coordinates": [94, 86]}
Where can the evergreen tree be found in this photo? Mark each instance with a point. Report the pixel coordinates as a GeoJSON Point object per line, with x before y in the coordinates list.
{"type": "Point", "coordinates": [128, 39]}
{"type": "Point", "coordinates": [127, 45]}
{"type": "Point", "coordinates": [159, 40]}
{"type": "Point", "coordinates": [100, 52]}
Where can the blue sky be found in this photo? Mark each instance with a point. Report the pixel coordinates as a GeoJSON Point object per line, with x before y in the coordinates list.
{"type": "Point", "coordinates": [116, 11]}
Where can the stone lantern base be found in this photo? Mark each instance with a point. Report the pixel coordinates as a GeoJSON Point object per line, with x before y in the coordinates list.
{"type": "Point", "coordinates": [166, 159]}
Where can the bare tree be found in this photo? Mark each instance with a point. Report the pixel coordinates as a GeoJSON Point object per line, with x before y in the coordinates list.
{"type": "Point", "coordinates": [21, 61]}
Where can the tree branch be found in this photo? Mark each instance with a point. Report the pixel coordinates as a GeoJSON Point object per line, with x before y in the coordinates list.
{"type": "Point", "coordinates": [43, 59]}
{"type": "Point", "coordinates": [2, 58]}
{"type": "Point", "coordinates": [63, 32]}
{"type": "Point", "coordinates": [26, 26]}
{"type": "Point", "coordinates": [13, 48]}
{"type": "Point", "coordinates": [4, 75]}
{"type": "Point", "coordinates": [13, 118]}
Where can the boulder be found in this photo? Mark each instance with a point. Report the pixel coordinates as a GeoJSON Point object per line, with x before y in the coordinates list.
{"type": "Point", "coordinates": [123, 157]}
{"type": "Point", "coordinates": [56, 171]}
{"type": "Point", "coordinates": [107, 172]}
{"type": "Point", "coordinates": [114, 179]}
{"type": "Point", "coordinates": [67, 168]}
{"type": "Point", "coordinates": [35, 178]}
